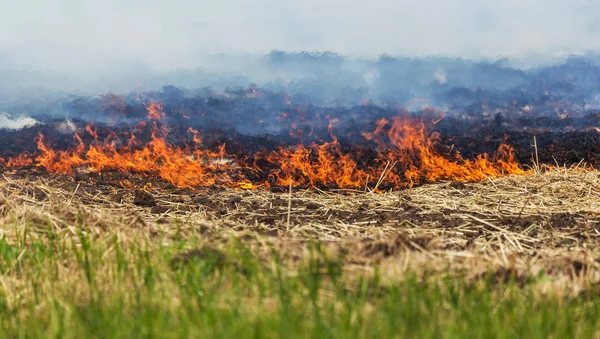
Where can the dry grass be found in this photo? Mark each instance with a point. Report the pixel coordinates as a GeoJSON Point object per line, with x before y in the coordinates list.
{"type": "Point", "coordinates": [511, 227]}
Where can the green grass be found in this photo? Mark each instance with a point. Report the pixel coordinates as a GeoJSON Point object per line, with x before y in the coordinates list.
{"type": "Point", "coordinates": [107, 287]}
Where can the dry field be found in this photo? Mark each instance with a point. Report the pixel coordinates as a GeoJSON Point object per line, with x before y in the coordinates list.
{"type": "Point", "coordinates": [518, 225]}
{"type": "Point", "coordinates": [537, 232]}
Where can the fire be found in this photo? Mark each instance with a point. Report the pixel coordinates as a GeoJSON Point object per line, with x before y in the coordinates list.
{"type": "Point", "coordinates": [317, 165]}
{"type": "Point", "coordinates": [404, 145]}
{"type": "Point", "coordinates": [155, 111]}
{"type": "Point", "coordinates": [407, 144]}
{"type": "Point", "coordinates": [406, 153]}
{"type": "Point", "coordinates": [182, 167]}
{"type": "Point", "coordinates": [22, 160]}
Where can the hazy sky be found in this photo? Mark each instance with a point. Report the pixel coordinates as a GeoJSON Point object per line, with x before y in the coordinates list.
{"type": "Point", "coordinates": [172, 34]}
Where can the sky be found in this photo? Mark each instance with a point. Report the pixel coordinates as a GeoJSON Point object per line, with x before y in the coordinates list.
{"type": "Point", "coordinates": [83, 34]}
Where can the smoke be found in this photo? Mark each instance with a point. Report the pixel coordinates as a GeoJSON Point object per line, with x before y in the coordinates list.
{"type": "Point", "coordinates": [76, 36]}
{"type": "Point", "coordinates": [7, 122]}
{"type": "Point", "coordinates": [93, 47]}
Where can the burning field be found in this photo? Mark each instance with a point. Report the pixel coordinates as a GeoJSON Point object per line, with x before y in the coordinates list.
{"type": "Point", "coordinates": [399, 151]}
{"type": "Point", "coordinates": [286, 208]}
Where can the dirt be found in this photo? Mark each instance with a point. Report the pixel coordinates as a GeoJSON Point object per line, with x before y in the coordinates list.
{"type": "Point", "coordinates": [566, 220]}
{"type": "Point", "coordinates": [143, 198]}
{"type": "Point", "coordinates": [159, 209]}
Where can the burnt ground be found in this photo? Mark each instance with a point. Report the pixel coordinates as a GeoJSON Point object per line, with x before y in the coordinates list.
{"type": "Point", "coordinates": [510, 227]}
{"type": "Point", "coordinates": [566, 140]}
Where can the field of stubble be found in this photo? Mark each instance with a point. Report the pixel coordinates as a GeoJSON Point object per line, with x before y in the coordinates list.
{"type": "Point", "coordinates": [514, 256]}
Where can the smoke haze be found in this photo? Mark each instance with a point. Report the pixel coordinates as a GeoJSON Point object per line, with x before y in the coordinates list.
{"type": "Point", "coordinates": [74, 35]}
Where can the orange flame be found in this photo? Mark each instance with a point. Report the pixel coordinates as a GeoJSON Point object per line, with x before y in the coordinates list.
{"type": "Point", "coordinates": [407, 154]}
{"type": "Point", "coordinates": [406, 143]}
{"type": "Point", "coordinates": [155, 111]}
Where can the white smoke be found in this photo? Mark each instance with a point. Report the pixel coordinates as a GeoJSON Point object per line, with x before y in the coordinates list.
{"type": "Point", "coordinates": [440, 76]}
{"type": "Point", "coordinates": [82, 35]}
{"type": "Point", "coordinates": [7, 122]}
